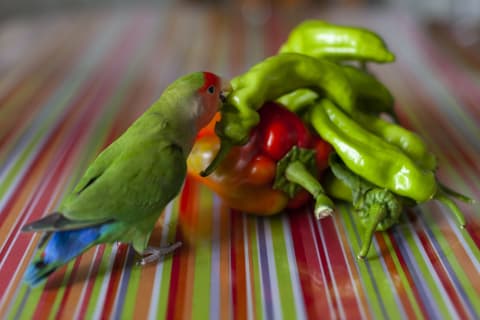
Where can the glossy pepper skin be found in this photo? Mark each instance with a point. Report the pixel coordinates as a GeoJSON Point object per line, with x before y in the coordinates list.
{"type": "Point", "coordinates": [371, 96]}
{"type": "Point", "coordinates": [324, 40]}
{"type": "Point", "coordinates": [246, 178]}
{"type": "Point", "coordinates": [267, 81]}
{"type": "Point", "coordinates": [371, 157]}
{"type": "Point", "coordinates": [234, 180]}
{"type": "Point", "coordinates": [409, 142]}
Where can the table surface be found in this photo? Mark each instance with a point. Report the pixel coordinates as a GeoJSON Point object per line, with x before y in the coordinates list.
{"type": "Point", "coordinates": [72, 83]}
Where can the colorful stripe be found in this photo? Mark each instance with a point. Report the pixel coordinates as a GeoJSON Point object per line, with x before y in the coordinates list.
{"type": "Point", "coordinates": [70, 98]}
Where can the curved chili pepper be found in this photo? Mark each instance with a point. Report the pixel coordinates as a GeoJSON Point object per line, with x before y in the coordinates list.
{"type": "Point", "coordinates": [321, 39]}
{"type": "Point", "coordinates": [377, 208]}
{"type": "Point", "coordinates": [371, 95]}
{"type": "Point", "coordinates": [269, 80]}
{"type": "Point", "coordinates": [408, 141]}
{"type": "Point", "coordinates": [370, 156]}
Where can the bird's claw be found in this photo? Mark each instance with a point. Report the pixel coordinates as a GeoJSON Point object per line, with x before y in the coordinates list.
{"type": "Point", "coordinates": [153, 254]}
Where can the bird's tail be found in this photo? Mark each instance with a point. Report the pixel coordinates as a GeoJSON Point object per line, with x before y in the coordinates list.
{"type": "Point", "coordinates": [58, 248]}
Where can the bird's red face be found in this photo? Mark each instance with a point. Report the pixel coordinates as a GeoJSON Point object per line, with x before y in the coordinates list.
{"type": "Point", "coordinates": [211, 98]}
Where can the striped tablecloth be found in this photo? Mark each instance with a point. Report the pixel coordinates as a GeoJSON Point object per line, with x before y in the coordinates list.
{"type": "Point", "coordinates": [70, 84]}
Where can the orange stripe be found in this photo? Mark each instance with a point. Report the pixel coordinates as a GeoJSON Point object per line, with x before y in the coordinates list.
{"type": "Point", "coordinates": [239, 288]}
{"type": "Point", "coordinates": [251, 230]}
{"type": "Point", "coordinates": [225, 270]}
{"type": "Point", "coordinates": [397, 282]}
{"type": "Point", "coordinates": [147, 274]}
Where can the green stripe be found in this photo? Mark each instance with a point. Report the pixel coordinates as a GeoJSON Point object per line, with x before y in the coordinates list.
{"type": "Point", "coordinates": [61, 290]}
{"type": "Point", "coordinates": [33, 296]}
{"type": "Point", "coordinates": [167, 264]}
{"type": "Point", "coordinates": [412, 301]}
{"type": "Point", "coordinates": [96, 301]}
{"type": "Point", "coordinates": [425, 270]}
{"type": "Point", "coordinates": [256, 274]}
{"type": "Point", "coordinates": [203, 258]}
{"type": "Point", "coordinates": [367, 282]}
{"type": "Point", "coordinates": [280, 254]}
{"type": "Point", "coordinates": [453, 261]}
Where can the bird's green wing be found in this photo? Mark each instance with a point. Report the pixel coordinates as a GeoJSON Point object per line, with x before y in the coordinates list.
{"type": "Point", "coordinates": [96, 168]}
{"type": "Point", "coordinates": [141, 180]}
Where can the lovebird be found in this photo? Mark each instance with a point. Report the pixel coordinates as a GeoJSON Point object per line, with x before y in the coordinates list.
{"type": "Point", "coordinates": [125, 189]}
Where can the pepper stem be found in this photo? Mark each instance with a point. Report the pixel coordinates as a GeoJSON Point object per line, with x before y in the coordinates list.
{"type": "Point", "coordinates": [225, 148]}
{"type": "Point", "coordinates": [450, 204]}
{"type": "Point", "coordinates": [452, 193]}
{"type": "Point", "coordinates": [296, 172]}
{"type": "Point", "coordinates": [377, 212]}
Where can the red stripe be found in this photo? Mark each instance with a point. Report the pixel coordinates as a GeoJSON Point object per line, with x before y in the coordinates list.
{"type": "Point", "coordinates": [398, 286]}
{"type": "Point", "coordinates": [173, 289]}
{"type": "Point", "coordinates": [47, 299]}
{"type": "Point", "coordinates": [340, 273]}
{"type": "Point", "coordinates": [91, 281]}
{"type": "Point", "coordinates": [180, 260]}
{"type": "Point", "coordinates": [114, 281]}
{"type": "Point", "coordinates": [87, 117]}
{"type": "Point", "coordinates": [408, 275]}
{"type": "Point", "coordinates": [68, 288]}
{"type": "Point", "coordinates": [309, 272]}
{"type": "Point", "coordinates": [328, 275]}
{"type": "Point", "coordinates": [237, 260]}
{"type": "Point", "coordinates": [441, 272]}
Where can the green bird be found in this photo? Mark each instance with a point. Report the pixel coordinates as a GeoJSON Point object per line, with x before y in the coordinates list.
{"type": "Point", "coordinates": [125, 189]}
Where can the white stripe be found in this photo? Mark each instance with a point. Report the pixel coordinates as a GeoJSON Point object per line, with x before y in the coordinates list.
{"type": "Point", "coordinates": [277, 311]}
{"type": "Point", "coordinates": [446, 300]}
{"type": "Point", "coordinates": [215, 262]}
{"type": "Point", "coordinates": [351, 277]}
{"type": "Point", "coordinates": [322, 271]}
{"type": "Point", "coordinates": [294, 276]}
{"type": "Point", "coordinates": [105, 282]}
{"type": "Point", "coordinates": [330, 270]}
{"type": "Point", "coordinates": [81, 300]}
{"type": "Point", "coordinates": [155, 297]}
{"type": "Point", "coordinates": [259, 259]}
{"type": "Point", "coordinates": [246, 241]}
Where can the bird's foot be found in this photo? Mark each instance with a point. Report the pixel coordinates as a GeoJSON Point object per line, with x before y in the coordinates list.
{"type": "Point", "coordinates": [154, 254]}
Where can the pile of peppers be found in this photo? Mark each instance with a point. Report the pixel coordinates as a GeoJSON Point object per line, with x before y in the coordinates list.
{"type": "Point", "coordinates": [312, 124]}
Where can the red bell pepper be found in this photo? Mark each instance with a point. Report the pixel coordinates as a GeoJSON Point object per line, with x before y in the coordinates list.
{"type": "Point", "coordinates": [246, 178]}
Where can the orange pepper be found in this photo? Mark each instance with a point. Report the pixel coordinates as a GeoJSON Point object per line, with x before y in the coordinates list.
{"type": "Point", "coordinates": [234, 180]}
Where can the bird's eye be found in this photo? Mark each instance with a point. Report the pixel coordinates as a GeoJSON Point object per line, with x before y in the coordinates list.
{"type": "Point", "coordinates": [211, 89]}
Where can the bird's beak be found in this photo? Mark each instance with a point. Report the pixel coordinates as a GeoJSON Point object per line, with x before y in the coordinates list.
{"type": "Point", "coordinates": [225, 91]}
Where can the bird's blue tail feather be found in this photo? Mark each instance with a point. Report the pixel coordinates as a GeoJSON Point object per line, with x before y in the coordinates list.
{"type": "Point", "coordinates": [61, 247]}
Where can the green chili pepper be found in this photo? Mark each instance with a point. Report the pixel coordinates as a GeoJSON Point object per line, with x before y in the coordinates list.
{"type": "Point", "coordinates": [370, 156]}
{"type": "Point", "coordinates": [371, 95]}
{"type": "Point", "coordinates": [297, 100]}
{"type": "Point", "coordinates": [321, 39]}
{"type": "Point", "coordinates": [409, 142]}
{"type": "Point", "coordinates": [267, 81]}
{"type": "Point", "coordinates": [336, 188]}
{"type": "Point", "coordinates": [377, 208]}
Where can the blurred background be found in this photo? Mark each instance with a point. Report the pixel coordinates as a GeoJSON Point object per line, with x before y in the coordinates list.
{"type": "Point", "coordinates": [462, 16]}
{"type": "Point", "coordinates": [458, 11]}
